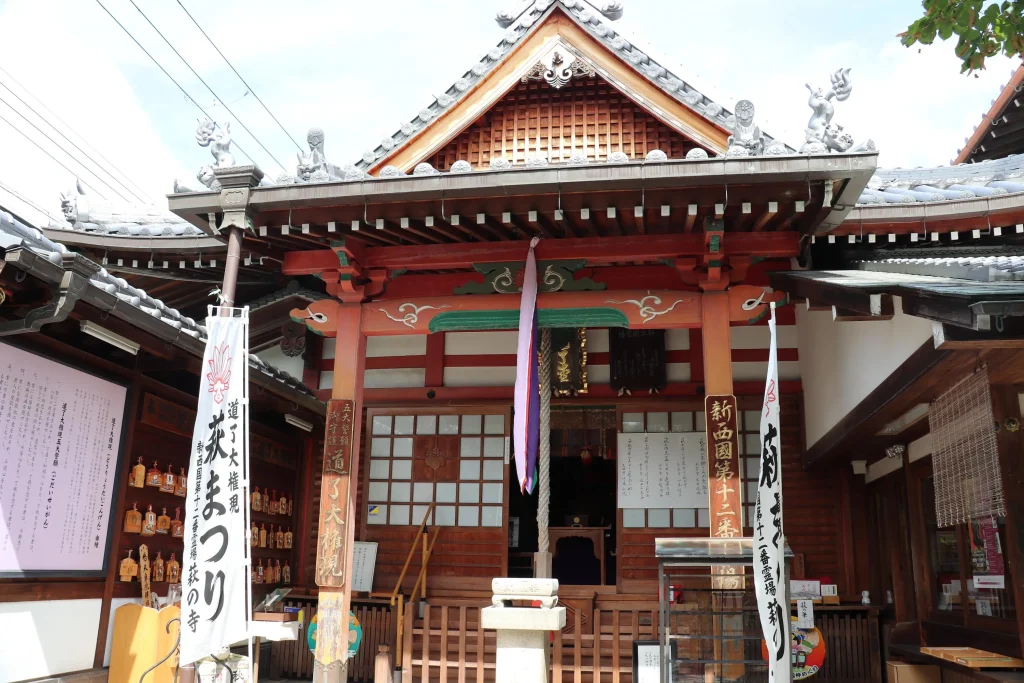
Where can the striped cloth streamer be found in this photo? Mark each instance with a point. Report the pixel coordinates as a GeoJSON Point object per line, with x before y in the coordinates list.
{"type": "Point", "coordinates": [526, 418]}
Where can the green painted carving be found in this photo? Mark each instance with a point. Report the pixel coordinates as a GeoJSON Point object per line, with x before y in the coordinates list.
{"type": "Point", "coordinates": [715, 243]}
{"type": "Point", "coordinates": [555, 276]}
{"type": "Point", "coordinates": [716, 263]}
{"type": "Point", "coordinates": [756, 319]}
{"type": "Point", "coordinates": [338, 246]}
{"type": "Point", "coordinates": [462, 321]}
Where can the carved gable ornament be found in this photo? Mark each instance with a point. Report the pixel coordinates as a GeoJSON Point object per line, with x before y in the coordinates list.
{"type": "Point", "coordinates": [557, 70]}
{"type": "Point", "coordinates": [507, 278]}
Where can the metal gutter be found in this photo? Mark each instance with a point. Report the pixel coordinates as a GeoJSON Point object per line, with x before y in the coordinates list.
{"type": "Point", "coordinates": [179, 245]}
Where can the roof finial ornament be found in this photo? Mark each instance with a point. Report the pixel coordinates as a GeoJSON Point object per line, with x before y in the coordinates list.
{"type": "Point", "coordinates": [821, 134]}
{"type": "Point", "coordinates": [612, 10]}
{"type": "Point", "coordinates": [218, 139]}
{"type": "Point", "coordinates": [746, 138]}
{"type": "Point", "coordinates": [505, 18]}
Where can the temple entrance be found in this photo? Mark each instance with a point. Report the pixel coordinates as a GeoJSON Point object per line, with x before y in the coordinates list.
{"type": "Point", "coordinates": [583, 504]}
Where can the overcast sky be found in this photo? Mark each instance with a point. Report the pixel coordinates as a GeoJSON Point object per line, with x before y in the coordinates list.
{"type": "Point", "coordinates": [358, 69]}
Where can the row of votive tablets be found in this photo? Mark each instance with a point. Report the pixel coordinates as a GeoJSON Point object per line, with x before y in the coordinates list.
{"type": "Point", "coordinates": [270, 503]}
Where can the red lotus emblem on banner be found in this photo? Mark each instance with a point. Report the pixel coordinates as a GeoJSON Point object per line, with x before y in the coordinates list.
{"type": "Point", "coordinates": [769, 397]}
{"type": "Point", "coordinates": [219, 376]}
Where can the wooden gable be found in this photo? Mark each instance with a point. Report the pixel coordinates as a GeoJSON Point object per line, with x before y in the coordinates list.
{"type": "Point", "coordinates": [588, 116]}
{"type": "Point", "coordinates": [622, 110]}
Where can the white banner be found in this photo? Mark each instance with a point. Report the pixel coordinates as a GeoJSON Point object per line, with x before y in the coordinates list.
{"type": "Point", "coordinates": [215, 576]}
{"type": "Point", "coordinates": [769, 540]}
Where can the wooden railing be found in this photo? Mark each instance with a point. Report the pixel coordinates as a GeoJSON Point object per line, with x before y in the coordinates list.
{"type": "Point", "coordinates": [447, 644]}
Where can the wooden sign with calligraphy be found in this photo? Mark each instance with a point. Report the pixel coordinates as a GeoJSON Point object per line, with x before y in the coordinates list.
{"type": "Point", "coordinates": [721, 416]}
{"type": "Point", "coordinates": [334, 493]}
{"type": "Point", "coordinates": [568, 361]}
{"type": "Point", "coordinates": [180, 420]}
{"type": "Point", "coordinates": [637, 359]}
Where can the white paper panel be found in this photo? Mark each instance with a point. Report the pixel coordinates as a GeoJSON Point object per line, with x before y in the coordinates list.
{"type": "Point", "coordinates": [662, 470]}
{"type": "Point", "coordinates": [63, 435]}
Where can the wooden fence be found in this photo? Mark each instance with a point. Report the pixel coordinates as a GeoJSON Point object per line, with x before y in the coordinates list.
{"type": "Point", "coordinates": [447, 644]}
{"type": "Point", "coordinates": [293, 659]}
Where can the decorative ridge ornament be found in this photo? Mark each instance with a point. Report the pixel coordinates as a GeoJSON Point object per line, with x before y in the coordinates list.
{"type": "Point", "coordinates": [745, 133]}
{"type": "Point", "coordinates": [558, 73]}
{"type": "Point", "coordinates": [821, 132]}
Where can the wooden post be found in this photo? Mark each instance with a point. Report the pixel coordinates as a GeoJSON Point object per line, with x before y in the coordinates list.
{"type": "Point", "coordinates": [337, 495]}
{"type": "Point", "coordinates": [1006, 407]}
{"type": "Point", "coordinates": [718, 383]}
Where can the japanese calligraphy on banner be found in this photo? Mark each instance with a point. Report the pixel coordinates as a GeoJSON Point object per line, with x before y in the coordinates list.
{"type": "Point", "coordinates": [769, 541]}
{"type": "Point", "coordinates": [60, 441]}
{"type": "Point", "coordinates": [721, 416]}
{"type": "Point", "coordinates": [216, 563]}
{"type": "Point", "coordinates": [334, 493]}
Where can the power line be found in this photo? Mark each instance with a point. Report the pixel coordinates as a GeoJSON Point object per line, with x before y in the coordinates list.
{"type": "Point", "coordinates": [153, 59]}
{"type": "Point", "coordinates": [80, 136]}
{"type": "Point", "coordinates": [56, 144]}
{"type": "Point", "coordinates": [249, 87]}
{"type": "Point", "coordinates": [237, 119]}
{"type": "Point", "coordinates": [44, 151]}
{"type": "Point", "coordinates": [26, 104]}
{"type": "Point", "coordinates": [19, 196]}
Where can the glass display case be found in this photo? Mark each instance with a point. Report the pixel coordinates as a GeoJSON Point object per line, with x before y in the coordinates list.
{"type": "Point", "coordinates": [709, 625]}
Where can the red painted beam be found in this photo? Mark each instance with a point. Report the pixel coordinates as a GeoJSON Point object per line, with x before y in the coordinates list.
{"type": "Point", "coordinates": [596, 250]}
{"type": "Point", "coordinates": [418, 395]}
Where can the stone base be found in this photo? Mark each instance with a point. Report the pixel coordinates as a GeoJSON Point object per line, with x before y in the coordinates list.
{"type": "Point", "coordinates": [522, 657]}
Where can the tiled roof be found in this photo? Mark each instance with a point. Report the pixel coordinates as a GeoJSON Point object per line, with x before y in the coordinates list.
{"type": "Point", "coordinates": [988, 268]}
{"type": "Point", "coordinates": [14, 233]}
{"type": "Point", "coordinates": [945, 183]}
{"type": "Point", "coordinates": [589, 19]}
{"type": "Point", "coordinates": [291, 290]}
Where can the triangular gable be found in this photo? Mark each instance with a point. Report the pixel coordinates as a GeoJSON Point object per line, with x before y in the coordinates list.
{"type": "Point", "coordinates": [543, 27]}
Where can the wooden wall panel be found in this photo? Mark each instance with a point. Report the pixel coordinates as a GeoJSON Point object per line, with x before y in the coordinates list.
{"type": "Point", "coordinates": [535, 120]}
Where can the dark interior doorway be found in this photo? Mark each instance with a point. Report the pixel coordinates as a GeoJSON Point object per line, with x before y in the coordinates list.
{"type": "Point", "coordinates": [583, 480]}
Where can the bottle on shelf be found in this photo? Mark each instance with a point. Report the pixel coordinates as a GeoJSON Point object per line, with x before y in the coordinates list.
{"type": "Point", "coordinates": [259, 572]}
{"type": "Point", "coordinates": [289, 507]}
{"type": "Point", "coordinates": [168, 481]}
{"type": "Point", "coordinates": [154, 477]}
{"type": "Point", "coordinates": [277, 571]}
{"type": "Point", "coordinates": [279, 541]}
{"type": "Point", "coordinates": [133, 520]}
{"type": "Point", "coordinates": [257, 502]}
{"type": "Point", "coordinates": [173, 570]}
{"type": "Point", "coordinates": [254, 536]}
{"type": "Point", "coordinates": [263, 535]}
{"type": "Point", "coordinates": [286, 573]}
{"type": "Point", "coordinates": [158, 568]}
{"type": "Point", "coordinates": [181, 489]}
{"type": "Point", "coordinates": [138, 478]}
{"type": "Point", "coordinates": [275, 504]}
{"type": "Point", "coordinates": [177, 526]}
{"type": "Point", "coordinates": [288, 539]}
{"type": "Point", "coordinates": [149, 522]}
{"type": "Point", "coordinates": [282, 505]}
{"type": "Point", "coordinates": [266, 502]}
{"type": "Point", "coordinates": [270, 538]}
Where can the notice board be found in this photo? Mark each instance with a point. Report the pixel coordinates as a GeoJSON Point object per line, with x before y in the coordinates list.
{"type": "Point", "coordinates": [364, 559]}
{"type": "Point", "coordinates": [662, 470]}
{"type": "Point", "coordinates": [60, 449]}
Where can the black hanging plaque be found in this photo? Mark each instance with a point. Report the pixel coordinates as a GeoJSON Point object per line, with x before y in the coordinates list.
{"type": "Point", "coordinates": [637, 359]}
{"type": "Point", "coordinates": [568, 361]}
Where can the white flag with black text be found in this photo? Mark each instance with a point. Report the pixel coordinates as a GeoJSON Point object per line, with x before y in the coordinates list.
{"type": "Point", "coordinates": [769, 540]}
{"type": "Point", "coordinates": [215, 575]}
